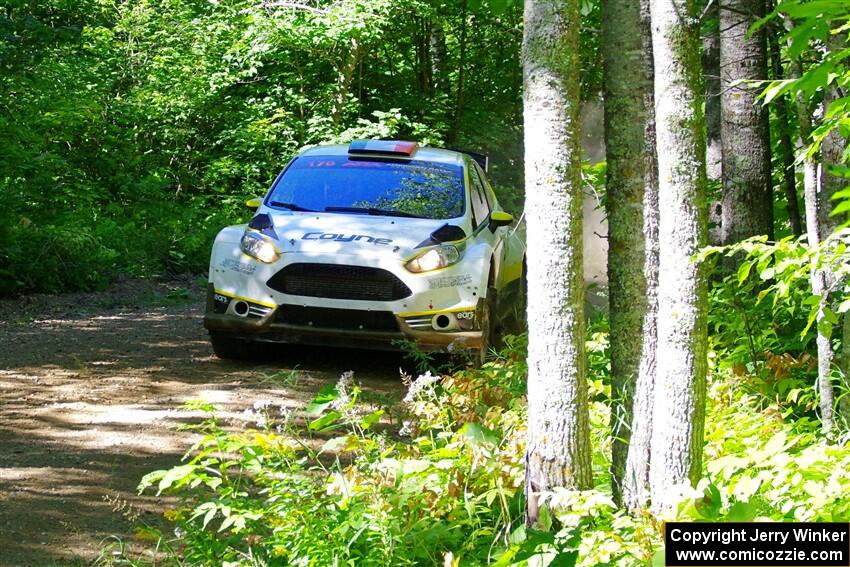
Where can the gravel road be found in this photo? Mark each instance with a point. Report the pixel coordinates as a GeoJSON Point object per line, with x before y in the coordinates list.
{"type": "Point", "coordinates": [90, 392]}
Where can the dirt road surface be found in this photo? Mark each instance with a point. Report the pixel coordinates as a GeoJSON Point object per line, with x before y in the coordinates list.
{"type": "Point", "coordinates": [90, 392]}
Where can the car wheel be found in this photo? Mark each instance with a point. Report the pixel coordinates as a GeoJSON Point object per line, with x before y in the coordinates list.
{"type": "Point", "coordinates": [230, 348]}
{"type": "Point", "coordinates": [489, 334]}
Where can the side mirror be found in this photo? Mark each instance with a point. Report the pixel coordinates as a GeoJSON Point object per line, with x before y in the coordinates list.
{"type": "Point", "coordinates": [500, 218]}
{"type": "Point", "coordinates": [254, 203]}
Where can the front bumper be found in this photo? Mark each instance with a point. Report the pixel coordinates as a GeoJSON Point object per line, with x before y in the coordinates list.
{"type": "Point", "coordinates": [338, 327]}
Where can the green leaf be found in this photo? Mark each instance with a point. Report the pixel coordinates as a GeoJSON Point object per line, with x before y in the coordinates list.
{"type": "Point", "coordinates": [741, 512]}
{"type": "Point", "coordinates": [208, 509]}
{"type": "Point", "coordinates": [744, 271]}
{"type": "Point", "coordinates": [371, 419]}
{"type": "Point", "coordinates": [776, 444]}
{"type": "Point", "coordinates": [174, 475]}
{"type": "Point", "coordinates": [334, 444]}
{"type": "Point", "coordinates": [323, 400]}
{"type": "Point", "coordinates": [825, 328]}
{"type": "Point", "coordinates": [478, 434]}
{"type": "Point", "coordinates": [544, 518]}
{"type": "Point", "coordinates": [325, 421]}
{"type": "Point", "coordinates": [518, 535]}
{"type": "Point", "coordinates": [776, 89]}
{"type": "Point", "coordinates": [829, 315]}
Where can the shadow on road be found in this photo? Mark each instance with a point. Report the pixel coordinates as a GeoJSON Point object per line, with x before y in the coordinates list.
{"type": "Point", "coordinates": [90, 401]}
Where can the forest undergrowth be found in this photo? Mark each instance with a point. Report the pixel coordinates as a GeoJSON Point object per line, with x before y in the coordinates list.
{"type": "Point", "coordinates": [438, 479]}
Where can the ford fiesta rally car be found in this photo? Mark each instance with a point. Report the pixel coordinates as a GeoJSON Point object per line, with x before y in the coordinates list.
{"type": "Point", "coordinates": [371, 245]}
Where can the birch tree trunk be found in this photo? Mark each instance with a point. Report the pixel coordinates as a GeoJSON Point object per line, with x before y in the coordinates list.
{"type": "Point", "coordinates": [747, 184]}
{"type": "Point", "coordinates": [558, 449]}
{"type": "Point", "coordinates": [625, 90]}
{"type": "Point", "coordinates": [635, 485]}
{"type": "Point", "coordinates": [679, 411]}
{"type": "Point", "coordinates": [833, 148]}
{"type": "Point", "coordinates": [844, 403]}
{"type": "Point", "coordinates": [817, 229]}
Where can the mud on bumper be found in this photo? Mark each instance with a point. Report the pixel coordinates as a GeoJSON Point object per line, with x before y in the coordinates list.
{"type": "Point", "coordinates": [321, 326]}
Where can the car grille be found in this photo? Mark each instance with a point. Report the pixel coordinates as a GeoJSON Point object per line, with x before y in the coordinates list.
{"type": "Point", "coordinates": [339, 282]}
{"type": "Point", "coordinates": [341, 319]}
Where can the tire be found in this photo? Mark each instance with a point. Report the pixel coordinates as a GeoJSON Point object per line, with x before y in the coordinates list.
{"type": "Point", "coordinates": [489, 334]}
{"type": "Point", "coordinates": [228, 348]}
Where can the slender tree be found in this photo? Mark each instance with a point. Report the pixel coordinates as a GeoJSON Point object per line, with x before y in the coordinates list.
{"type": "Point", "coordinates": [679, 410]}
{"type": "Point", "coordinates": [625, 92]}
{"type": "Point", "coordinates": [711, 90]}
{"type": "Point", "coordinates": [635, 484]}
{"type": "Point", "coordinates": [711, 73]}
{"type": "Point", "coordinates": [844, 403]}
{"type": "Point", "coordinates": [439, 57]}
{"type": "Point", "coordinates": [747, 184]}
{"type": "Point", "coordinates": [783, 136]}
{"type": "Point", "coordinates": [461, 72]}
{"type": "Point", "coordinates": [558, 450]}
{"type": "Point", "coordinates": [819, 225]}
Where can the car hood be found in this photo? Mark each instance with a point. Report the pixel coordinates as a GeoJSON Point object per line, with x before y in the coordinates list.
{"type": "Point", "coordinates": [351, 233]}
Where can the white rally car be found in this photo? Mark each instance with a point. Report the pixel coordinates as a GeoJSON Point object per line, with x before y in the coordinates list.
{"type": "Point", "coordinates": [373, 245]}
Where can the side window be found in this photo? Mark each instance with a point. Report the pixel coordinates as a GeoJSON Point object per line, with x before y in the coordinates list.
{"type": "Point", "coordinates": [488, 190]}
{"type": "Point", "coordinates": [480, 207]}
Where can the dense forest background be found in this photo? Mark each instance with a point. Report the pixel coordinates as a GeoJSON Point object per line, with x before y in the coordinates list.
{"type": "Point", "coordinates": [132, 131]}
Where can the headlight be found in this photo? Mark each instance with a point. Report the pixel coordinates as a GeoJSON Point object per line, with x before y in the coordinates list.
{"type": "Point", "coordinates": [255, 245]}
{"type": "Point", "coordinates": [434, 259]}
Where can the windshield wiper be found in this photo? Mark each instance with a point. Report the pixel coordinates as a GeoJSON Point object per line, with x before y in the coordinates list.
{"type": "Point", "coordinates": [372, 211]}
{"type": "Point", "coordinates": [291, 206]}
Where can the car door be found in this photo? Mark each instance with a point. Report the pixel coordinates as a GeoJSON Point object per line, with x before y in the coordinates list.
{"type": "Point", "coordinates": [509, 248]}
{"type": "Point", "coordinates": [482, 206]}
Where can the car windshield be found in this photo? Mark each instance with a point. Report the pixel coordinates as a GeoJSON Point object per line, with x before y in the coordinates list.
{"type": "Point", "coordinates": [367, 186]}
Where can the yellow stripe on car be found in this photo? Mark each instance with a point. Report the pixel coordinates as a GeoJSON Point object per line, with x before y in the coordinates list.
{"type": "Point", "coordinates": [248, 299]}
{"type": "Point", "coordinates": [436, 311]}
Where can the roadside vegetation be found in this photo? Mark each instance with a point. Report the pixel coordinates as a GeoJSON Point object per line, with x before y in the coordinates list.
{"type": "Point", "coordinates": [438, 479]}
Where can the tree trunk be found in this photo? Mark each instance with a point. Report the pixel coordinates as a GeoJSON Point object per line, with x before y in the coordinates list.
{"type": "Point", "coordinates": [844, 402]}
{"type": "Point", "coordinates": [833, 148]}
{"type": "Point", "coordinates": [625, 145]}
{"type": "Point", "coordinates": [424, 80]}
{"type": "Point", "coordinates": [635, 485]}
{"type": "Point", "coordinates": [558, 449]}
{"type": "Point", "coordinates": [711, 90]}
{"type": "Point", "coordinates": [345, 74]}
{"type": "Point", "coordinates": [679, 410]}
{"type": "Point", "coordinates": [783, 135]}
{"type": "Point", "coordinates": [747, 184]}
{"type": "Point", "coordinates": [438, 57]}
{"type": "Point", "coordinates": [711, 72]}
{"type": "Point", "coordinates": [454, 132]}
{"type": "Point", "coordinates": [815, 201]}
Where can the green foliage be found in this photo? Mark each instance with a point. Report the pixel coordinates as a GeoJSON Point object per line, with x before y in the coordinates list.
{"type": "Point", "coordinates": [131, 132]}
{"type": "Point", "coordinates": [764, 316]}
{"type": "Point", "coordinates": [817, 29]}
{"type": "Point", "coordinates": [449, 484]}
{"type": "Point", "coordinates": [439, 479]}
